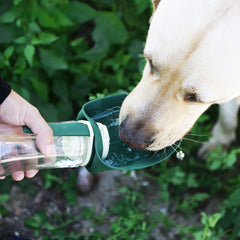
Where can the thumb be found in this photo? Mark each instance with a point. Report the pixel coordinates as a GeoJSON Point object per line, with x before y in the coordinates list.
{"type": "Point", "coordinates": [40, 128]}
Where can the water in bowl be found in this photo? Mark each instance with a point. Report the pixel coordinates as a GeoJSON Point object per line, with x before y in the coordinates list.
{"type": "Point", "coordinates": [120, 154]}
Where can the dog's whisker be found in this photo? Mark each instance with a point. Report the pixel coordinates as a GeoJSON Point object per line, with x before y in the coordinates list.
{"type": "Point", "coordinates": [177, 147]}
{"type": "Point", "coordinates": [113, 108]}
{"type": "Point", "coordinates": [197, 135]}
{"type": "Point", "coordinates": [192, 140]}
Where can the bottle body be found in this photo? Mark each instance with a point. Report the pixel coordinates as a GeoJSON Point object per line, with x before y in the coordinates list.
{"type": "Point", "coordinates": [18, 151]}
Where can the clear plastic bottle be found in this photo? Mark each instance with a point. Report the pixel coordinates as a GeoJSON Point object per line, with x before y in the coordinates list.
{"type": "Point", "coordinates": [18, 150]}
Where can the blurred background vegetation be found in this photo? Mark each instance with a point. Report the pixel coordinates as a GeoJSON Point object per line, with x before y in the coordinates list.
{"type": "Point", "coordinates": [57, 55]}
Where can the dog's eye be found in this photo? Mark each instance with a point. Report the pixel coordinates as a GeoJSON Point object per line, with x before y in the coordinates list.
{"type": "Point", "coordinates": [191, 97]}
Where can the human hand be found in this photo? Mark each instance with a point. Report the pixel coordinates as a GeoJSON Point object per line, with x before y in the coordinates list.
{"type": "Point", "coordinates": [17, 111]}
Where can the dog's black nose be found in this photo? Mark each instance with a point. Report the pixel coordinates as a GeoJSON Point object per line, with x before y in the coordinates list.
{"type": "Point", "coordinates": [135, 135]}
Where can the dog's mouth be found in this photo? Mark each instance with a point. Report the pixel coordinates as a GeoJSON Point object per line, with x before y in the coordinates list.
{"type": "Point", "coordinates": [141, 136]}
{"type": "Point", "coordinates": [136, 136]}
{"type": "Point", "coordinates": [137, 141]}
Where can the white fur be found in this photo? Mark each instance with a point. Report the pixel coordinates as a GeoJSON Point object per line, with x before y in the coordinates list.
{"type": "Point", "coordinates": [194, 46]}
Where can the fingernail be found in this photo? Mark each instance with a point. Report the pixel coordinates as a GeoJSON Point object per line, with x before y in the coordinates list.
{"type": "Point", "coordinates": [48, 150]}
{"type": "Point", "coordinates": [31, 173]}
{"type": "Point", "coordinates": [18, 176]}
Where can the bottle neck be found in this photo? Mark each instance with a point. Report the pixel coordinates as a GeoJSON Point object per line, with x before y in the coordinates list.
{"type": "Point", "coordinates": [105, 139]}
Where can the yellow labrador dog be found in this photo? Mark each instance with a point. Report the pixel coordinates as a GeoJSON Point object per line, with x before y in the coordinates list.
{"type": "Point", "coordinates": [193, 61]}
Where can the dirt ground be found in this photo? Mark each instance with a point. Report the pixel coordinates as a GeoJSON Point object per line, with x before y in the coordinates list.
{"type": "Point", "coordinates": [22, 205]}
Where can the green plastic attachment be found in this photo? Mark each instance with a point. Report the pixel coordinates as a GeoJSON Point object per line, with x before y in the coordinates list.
{"type": "Point", "coordinates": [138, 159]}
{"type": "Point", "coordinates": [71, 128]}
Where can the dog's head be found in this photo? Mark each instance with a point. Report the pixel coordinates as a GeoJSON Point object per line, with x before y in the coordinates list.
{"type": "Point", "coordinates": [193, 58]}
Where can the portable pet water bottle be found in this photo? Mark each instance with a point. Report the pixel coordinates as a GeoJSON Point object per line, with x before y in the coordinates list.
{"type": "Point", "coordinates": [91, 141]}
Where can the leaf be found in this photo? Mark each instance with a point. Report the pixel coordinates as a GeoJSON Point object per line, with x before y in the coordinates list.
{"type": "Point", "coordinates": [40, 87]}
{"type": "Point", "coordinates": [44, 38]}
{"type": "Point", "coordinates": [60, 89]}
{"type": "Point", "coordinates": [1, 61]}
{"type": "Point", "coordinates": [34, 27]}
{"type": "Point", "coordinates": [20, 64]}
{"type": "Point", "coordinates": [29, 52]}
{"type": "Point", "coordinates": [215, 165]}
{"type": "Point", "coordinates": [46, 20]}
{"type": "Point", "coordinates": [233, 200]}
{"type": "Point", "coordinates": [52, 61]}
{"type": "Point", "coordinates": [65, 110]}
{"type": "Point", "coordinates": [200, 197]}
{"type": "Point", "coordinates": [141, 5]}
{"type": "Point", "coordinates": [214, 219]}
{"type": "Point", "coordinates": [5, 6]}
{"type": "Point", "coordinates": [97, 53]}
{"type": "Point", "coordinates": [3, 211]}
{"type": "Point", "coordinates": [49, 112]}
{"type": "Point", "coordinates": [80, 12]}
{"type": "Point", "coordinates": [204, 218]}
{"type": "Point", "coordinates": [53, 19]}
{"type": "Point", "coordinates": [198, 235]}
{"type": "Point", "coordinates": [109, 28]}
{"type": "Point", "coordinates": [20, 40]}
{"type": "Point", "coordinates": [87, 212]}
{"type": "Point", "coordinates": [7, 33]}
{"type": "Point", "coordinates": [4, 198]}
{"type": "Point", "coordinates": [63, 20]}
{"type": "Point", "coordinates": [80, 87]}
{"type": "Point", "coordinates": [9, 52]}
{"type": "Point", "coordinates": [37, 220]}
{"type": "Point", "coordinates": [231, 159]}
{"type": "Point", "coordinates": [10, 16]}
{"type": "Point", "coordinates": [71, 197]}
{"type": "Point", "coordinates": [192, 181]}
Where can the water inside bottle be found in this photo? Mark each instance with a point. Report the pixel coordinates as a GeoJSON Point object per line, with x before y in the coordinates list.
{"type": "Point", "coordinates": [120, 154]}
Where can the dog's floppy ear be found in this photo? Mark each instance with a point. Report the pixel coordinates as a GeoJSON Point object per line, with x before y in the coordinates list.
{"type": "Point", "coordinates": [155, 3]}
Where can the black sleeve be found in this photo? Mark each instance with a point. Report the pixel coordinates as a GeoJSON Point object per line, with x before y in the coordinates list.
{"type": "Point", "coordinates": [5, 90]}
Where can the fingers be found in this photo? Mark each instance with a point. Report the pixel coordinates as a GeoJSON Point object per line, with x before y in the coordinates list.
{"type": "Point", "coordinates": [42, 131]}
{"type": "Point", "coordinates": [2, 172]}
{"type": "Point", "coordinates": [28, 148]}
{"type": "Point", "coordinates": [17, 111]}
{"type": "Point", "coordinates": [18, 176]}
{"type": "Point", "coordinates": [31, 173]}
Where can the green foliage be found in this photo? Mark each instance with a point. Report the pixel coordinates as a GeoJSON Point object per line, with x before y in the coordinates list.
{"type": "Point", "coordinates": [3, 198]}
{"type": "Point", "coordinates": [58, 54]}
{"type": "Point", "coordinates": [53, 178]}
{"type": "Point", "coordinates": [55, 53]}
{"type": "Point", "coordinates": [209, 223]}
{"type": "Point", "coordinates": [222, 160]}
{"type": "Point", "coordinates": [194, 182]}
{"type": "Point", "coordinates": [57, 230]}
{"type": "Point", "coordinates": [130, 223]}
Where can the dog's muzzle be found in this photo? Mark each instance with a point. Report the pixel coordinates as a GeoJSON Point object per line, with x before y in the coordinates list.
{"type": "Point", "coordinates": [136, 135]}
